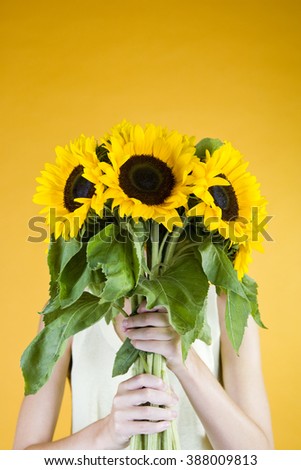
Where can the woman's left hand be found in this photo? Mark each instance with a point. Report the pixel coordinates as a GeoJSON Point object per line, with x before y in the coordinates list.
{"type": "Point", "coordinates": [150, 330]}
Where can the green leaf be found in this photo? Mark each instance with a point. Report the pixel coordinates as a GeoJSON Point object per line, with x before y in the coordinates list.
{"type": "Point", "coordinates": [200, 331]}
{"type": "Point", "coordinates": [220, 271]}
{"type": "Point", "coordinates": [182, 289]}
{"type": "Point", "coordinates": [53, 304]}
{"type": "Point", "coordinates": [40, 356]}
{"type": "Point", "coordinates": [237, 312]}
{"type": "Point", "coordinates": [115, 310]}
{"type": "Point", "coordinates": [113, 253]}
{"type": "Point", "coordinates": [60, 252]}
{"type": "Point", "coordinates": [74, 278]}
{"type": "Point", "coordinates": [124, 358]}
{"type": "Point", "coordinates": [96, 282]}
{"type": "Point", "coordinates": [205, 333]}
{"type": "Point", "coordinates": [207, 144]}
{"type": "Point", "coordinates": [250, 288]}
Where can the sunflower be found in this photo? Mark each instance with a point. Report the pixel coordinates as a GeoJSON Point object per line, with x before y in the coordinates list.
{"type": "Point", "coordinates": [150, 172]}
{"type": "Point", "coordinates": [229, 208]}
{"type": "Point", "coordinates": [64, 190]}
{"type": "Point", "coordinates": [244, 256]}
{"type": "Point", "coordinates": [254, 241]}
{"type": "Point", "coordinates": [242, 259]}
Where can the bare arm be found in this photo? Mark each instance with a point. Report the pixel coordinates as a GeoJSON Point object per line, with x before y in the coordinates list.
{"type": "Point", "coordinates": [39, 413]}
{"type": "Point", "coordinates": [236, 416]}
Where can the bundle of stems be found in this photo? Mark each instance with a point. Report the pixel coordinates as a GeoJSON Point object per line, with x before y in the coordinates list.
{"type": "Point", "coordinates": [153, 363]}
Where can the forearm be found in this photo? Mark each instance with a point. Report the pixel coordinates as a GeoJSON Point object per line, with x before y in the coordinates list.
{"type": "Point", "coordinates": [92, 437]}
{"type": "Point", "coordinates": [226, 425]}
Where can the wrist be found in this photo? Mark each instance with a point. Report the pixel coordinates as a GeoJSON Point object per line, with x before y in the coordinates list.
{"type": "Point", "coordinates": [112, 435]}
{"type": "Point", "coordinates": [189, 367]}
{"type": "Point", "coordinates": [104, 436]}
{"type": "Point", "coordinates": [177, 365]}
{"type": "Point", "coordinates": [174, 358]}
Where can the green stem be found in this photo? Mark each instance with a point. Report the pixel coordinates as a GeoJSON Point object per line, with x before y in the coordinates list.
{"type": "Point", "coordinates": [184, 248]}
{"type": "Point", "coordinates": [170, 438]}
{"type": "Point", "coordinates": [144, 363]}
{"type": "Point", "coordinates": [158, 365]}
{"type": "Point", "coordinates": [120, 309]}
{"type": "Point", "coordinates": [150, 439]}
{"type": "Point", "coordinates": [155, 363]}
{"type": "Point", "coordinates": [155, 441]}
{"type": "Point", "coordinates": [155, 261]}
{"type": "Point", "coordinates": [137, 441]}
{"type": "Point", "coordinates": [162, 244]}
{"type": "Point", "coordinates": [134, 303]}
{"type": "Point", "coordinates": [175, 436]}
{"type": "Point", "coordinates": [171, 245]}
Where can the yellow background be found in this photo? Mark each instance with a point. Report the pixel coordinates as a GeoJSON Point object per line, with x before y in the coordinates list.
{"type": "Point", "coordinates": [227, 69]}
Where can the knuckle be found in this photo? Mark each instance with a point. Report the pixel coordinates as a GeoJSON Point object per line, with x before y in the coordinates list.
{"type": "Point", "coordinates": [116, 401]}
{"type": "Point", "coordinates": [159, 382]}
{"type": "Point", "coordinates": [118, 428]}
{"type": "Point", "coordinates": [118, 416]}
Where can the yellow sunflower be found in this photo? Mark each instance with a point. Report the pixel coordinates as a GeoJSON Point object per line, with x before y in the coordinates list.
{"type": "Point", "coordinates": [229, 208]}
{"type": "Point", "coordinates": [151, 172]}
{"type": "Point", "coordinates": [254, 241]}
{"type": "Point", "coordinates": [64, 190]}
{"type": "Point", "coordinates": [242, 259]}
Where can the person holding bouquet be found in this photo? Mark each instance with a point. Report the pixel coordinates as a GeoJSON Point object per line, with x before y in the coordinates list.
{"type": "Point", "coordinates": [159, 282]}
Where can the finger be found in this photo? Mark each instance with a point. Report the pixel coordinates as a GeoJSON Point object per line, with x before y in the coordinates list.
{"type": "Point", "coordinates": [161, 347]}
{"type": "Point", "coordinates": [157, 308]}
{"type": "Point", "coordinates": [150, 413]}
{"type": "Point", "coordinates": [151, 333]}
{"type": "Point", "coordinates": [146, 427]}
{"type": "Point", "coordinates": [146, 395]}
{"type": "Point", "coordinates": [140, 381]}
{"type": "Point", "coordinates": [146, 319]}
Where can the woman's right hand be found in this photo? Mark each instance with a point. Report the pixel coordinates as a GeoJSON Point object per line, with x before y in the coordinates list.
{"type": "Point", "coordinates": [127, 418]}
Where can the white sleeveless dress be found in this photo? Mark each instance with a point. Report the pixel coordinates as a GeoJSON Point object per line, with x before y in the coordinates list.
{"type": "Point", "coordinates": [93, 388]}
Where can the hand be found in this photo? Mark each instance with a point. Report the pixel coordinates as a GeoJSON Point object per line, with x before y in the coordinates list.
{"type": "Point", "coordinates": [127, 418]}
{"type": "Point", "coordinates": [151, 331]}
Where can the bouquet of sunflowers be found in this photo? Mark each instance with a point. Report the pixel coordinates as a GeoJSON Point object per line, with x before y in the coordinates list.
{"type": "Point", "coordinates": [145, 213]}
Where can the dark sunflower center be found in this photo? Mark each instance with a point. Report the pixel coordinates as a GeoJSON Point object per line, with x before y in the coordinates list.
{"type": "Point", "coordinates": [225, 198]}
{"type": "Point", "coordinates": [146, 178]}
{"type": "Point", "coordinates": [77, 186]}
